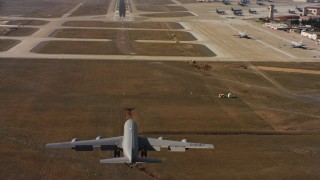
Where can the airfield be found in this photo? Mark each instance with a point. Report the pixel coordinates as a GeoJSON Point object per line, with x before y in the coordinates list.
{"type": "Point", "coordinates": [75, 69]}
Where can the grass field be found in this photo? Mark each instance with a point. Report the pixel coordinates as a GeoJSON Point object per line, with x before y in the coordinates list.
{"type": "Point", "coordinates": [28, 22]}
{"type": "Point", "coordinates": [149, 8]}
{"type": "Point", "coordinates": [112, 34]}
{"type": "Point", "coordinates": [52, 100]}
{"type": "Point", "coordinates": [168, 15]}
{"type": "Point", "coordinates": [36, 8]}
{"type": "Point", "coordinates": [6, 44]}
{"type": "Point", "coordinates": [139, 25]}
{"type": "Point", "coordinates": [25, 31]}
{"type": "Point", "coordinates": [154, 2]}
{"type": "Point", "coordinates": [105, 48]}
{"type": "Point", "coordinates": [92, 7]}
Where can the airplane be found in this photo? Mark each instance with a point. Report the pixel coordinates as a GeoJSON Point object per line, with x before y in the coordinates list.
{"type": "Point", "coordinates": [260, 3]}
{"type": "Point", "coordinates": [238, 13]}
{"type": "Point", "coordinates": [252, 11]}
{"type": "Point", "coordinates": [221, 11]}
{"type": "Point", "coordinates": [243, 35]}
{"type": "Point", "coordinates": [226, 2]}
{"type": "Point", "coordinates": [292, 12]}
{"type": "Point", "coordinates": [242, 3]}
{"type": "Point", "coordinates": [233, 9]}
{"type": "Point", "coordinates": [295, 44]}
{"type": "Point", "coordinates": [299, 9]}
{"type": "Point", "coordinates": [130, 144]}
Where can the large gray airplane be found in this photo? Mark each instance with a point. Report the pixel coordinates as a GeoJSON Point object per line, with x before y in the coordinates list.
{"type": "Point", "coordinates": [131, 144]}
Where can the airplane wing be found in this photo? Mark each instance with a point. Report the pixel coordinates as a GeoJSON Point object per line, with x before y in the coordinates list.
{"type": "Point", "coordinates": [152, 144]}
{"type": "Point", "coordinates": [106, 144]}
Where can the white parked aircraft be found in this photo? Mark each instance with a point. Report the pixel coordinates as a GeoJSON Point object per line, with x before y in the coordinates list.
{"type": "Point", "coordinates": [295, 44]}
{"type": "Point", "coordinates": [243, 35]}
{"type": "Point", "coordinates": [131, 144]}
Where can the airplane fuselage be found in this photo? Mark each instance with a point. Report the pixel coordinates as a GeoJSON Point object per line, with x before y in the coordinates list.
{"type": "Point", "coordinates": [130, 140]}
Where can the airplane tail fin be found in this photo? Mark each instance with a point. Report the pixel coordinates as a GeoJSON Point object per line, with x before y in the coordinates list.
{"type": "Point", "coordinates": [301, 41]}
{"type": "Point", "coordinates": [147, 160]}
{"type": "Point", "coordinates": [116, 160]}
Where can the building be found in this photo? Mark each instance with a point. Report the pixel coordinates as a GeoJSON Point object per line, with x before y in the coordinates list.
{"type": "Point", "coordinates": [287, 17]}
{"type": "Point", "coordinates": [315, 10]}
{"type": "Point", "coordinates": [308, 1]}
{"type": "Point", "coordinates": [277, 26]}
{"type": "Point", "coordinates": [314, 35]}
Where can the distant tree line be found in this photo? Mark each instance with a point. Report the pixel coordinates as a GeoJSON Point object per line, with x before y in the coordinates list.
{"type": "Point", "coordinates": [315, 23]}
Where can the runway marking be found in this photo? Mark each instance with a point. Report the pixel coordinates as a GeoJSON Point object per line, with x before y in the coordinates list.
{"type": "Point", "coordinates": [193, 13]}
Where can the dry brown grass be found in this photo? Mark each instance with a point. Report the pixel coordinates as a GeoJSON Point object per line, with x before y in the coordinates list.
{"type": "Point", "coordinates": [28, 22]}
{"type": "Point", "coordinates": [52, 100]}
{"type": "Point", "coordinates": [24, 31]}
{"type": "Point", "coordinates": [149, 8]}
{"type": "Point", "coordinates": [92, 7]}
{"type": "Point", "coordinates": [6, 44]}
{"type": "Point", "coordinates": [37, 8]}
{"type": "Point", "coordinates": [168, 15]}
{"type": "Point", "coordinates": [112, 34]}
{"type": "Point", "coordinates": [153, 2]}
{"type": "Point", "coordinates": [105, 48]}
{"type": "Point", "coordinates": [136, 24]}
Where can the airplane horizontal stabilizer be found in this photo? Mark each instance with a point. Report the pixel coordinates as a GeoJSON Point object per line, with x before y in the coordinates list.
{"type": "Point", "coordinates": [147, 160]}
{"type": "Point", "coordinates": [116, 160]}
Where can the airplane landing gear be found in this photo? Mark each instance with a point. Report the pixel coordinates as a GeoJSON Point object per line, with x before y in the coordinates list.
{"type": "Point", "coordinates": [144, 153]}
{"type": "Point", "coordinates": [117, 153]}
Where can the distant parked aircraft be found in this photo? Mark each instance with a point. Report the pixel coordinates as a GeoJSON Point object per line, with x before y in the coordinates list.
{"type": "Point", "coordinates": [260, 3]}
{"type": "Point", "coordinates": [292, 12]}
{"type": "Point", "coordinates": [238, 13]}
{"type": "Point", "coordinates": [226, 2]}
{"type": "Point", "coordinates": [252, 11]}
{"type": "Point", "coordinates": [295, 44]}
{"type": "Point", "coordinates": [131, 144]}
{"type": "Point", "coordinates": [243, 35]}
{"type": "Point", "coordinates": [242, 3]}
{"type": "Point", "coordinates": [299, 9]}
{"type": "Point", "coordinates": [234, 9]}
{"type": "Point", "coordinates": [221, 12]}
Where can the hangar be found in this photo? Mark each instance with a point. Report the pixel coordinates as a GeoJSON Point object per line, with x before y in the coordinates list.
{"type": "Point", "coordinates": [315, 10]}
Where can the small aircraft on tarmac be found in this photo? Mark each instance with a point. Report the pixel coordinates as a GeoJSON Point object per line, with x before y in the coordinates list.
{"type": "Point", "coordinates": [234, 9]}
{"type": "Point", "coordinates": [130, 144]}
{"type": "Point", "coordinates": [221, 12]}
{"type": "Point", "coordinates": [238, 13]}
{"type": "Point", "coordinates": [243, 35]}
{"type": "Point", "coordinates": [252, 11]}
{"type": "Point", "coordinates": [295, 44]}
{"type": "Point", "coordinates": [226, 2]}
{"type": "Point", "coordinates": [299, 9]}
{"type": "Point", "coordinates": [261, 3]}
{"type": "Point", "coordinates": [292, 12]}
